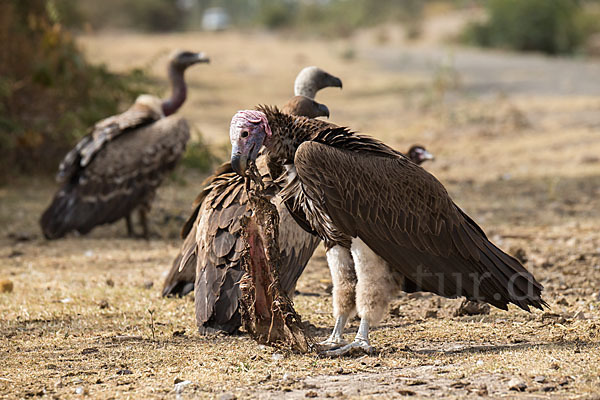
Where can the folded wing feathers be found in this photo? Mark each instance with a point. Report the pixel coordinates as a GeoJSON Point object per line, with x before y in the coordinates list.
{"type": "Point", "coordinates": [414, 224]}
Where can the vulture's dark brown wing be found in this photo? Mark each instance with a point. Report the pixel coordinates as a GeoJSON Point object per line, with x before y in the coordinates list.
{"type": "Point", "coordinates": [217, 252]}
{"type": "Point", "coordinates": [105, 131]}
{"type": "Point", "coordinates": [123, 175]}
{"type": "Point", "coordinates": [405, 215]}
{"type": "Point", "coordinates": [211, 251]}
{"type": "Point", "coordinates": [181, 282]}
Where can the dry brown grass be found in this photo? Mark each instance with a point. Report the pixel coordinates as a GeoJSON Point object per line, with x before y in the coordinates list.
{"type": "Point", "coordinates": [79, 317]}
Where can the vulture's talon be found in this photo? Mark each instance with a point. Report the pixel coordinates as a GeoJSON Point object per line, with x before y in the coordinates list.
{"type": "Point", "coordinates": [360, 345]}
{"type": "Point", "coordinates": [332, 344]}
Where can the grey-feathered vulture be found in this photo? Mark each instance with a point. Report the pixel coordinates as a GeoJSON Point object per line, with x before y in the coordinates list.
{"type": "Point", "coordinates": [209, 259]}
{"type": "Point", "coordinates": [116, 168]}
{"type": "Point", "coordinates": [383, 218]}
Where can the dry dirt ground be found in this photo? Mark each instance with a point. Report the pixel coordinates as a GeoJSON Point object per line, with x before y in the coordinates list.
{"type": "Point", "coordinates": [517, 145]}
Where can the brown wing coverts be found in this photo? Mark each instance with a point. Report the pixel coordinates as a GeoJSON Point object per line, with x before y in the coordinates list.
{"type": "Point", "coordinates": [406, 216]}
{"type": "Point", "coordinates": [103, 132]}
{"type": "Point", "coordinates": [217, 245]}
{"type": "Point", "coordinates": [122, 175]}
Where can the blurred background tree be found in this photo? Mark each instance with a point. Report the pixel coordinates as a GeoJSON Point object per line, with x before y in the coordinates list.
{"type": "Point", "coordinates": [548, 26]}
{"type": "Point", "coordinates": [49, 93]}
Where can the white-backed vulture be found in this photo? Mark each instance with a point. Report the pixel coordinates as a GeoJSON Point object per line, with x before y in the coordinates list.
{"type": "Point", "coordinates": [116, 168]}
{"type": "Point", "coordinates": [209, 259]}
{"type": "Point", "coordinates": [383, 219]}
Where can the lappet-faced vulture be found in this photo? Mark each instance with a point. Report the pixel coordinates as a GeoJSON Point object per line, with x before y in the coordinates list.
{"type": "Point", "coordinates": [383, 218]}
{"type": "Point", "coordinates": [209, 259]}
{"type": "Point", "coordinates": [116, 168]}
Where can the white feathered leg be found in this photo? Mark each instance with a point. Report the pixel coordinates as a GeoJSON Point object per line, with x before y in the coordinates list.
{"type": "Point", "coordinates": [374, 289]}
{"type": "Point", "coordinates": [343, 277]}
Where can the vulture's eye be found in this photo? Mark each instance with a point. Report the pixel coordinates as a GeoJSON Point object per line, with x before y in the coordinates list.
{"type": "Point", "coordinates": [244, 134]}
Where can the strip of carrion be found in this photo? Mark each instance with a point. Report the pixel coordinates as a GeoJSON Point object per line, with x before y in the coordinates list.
{"type": "Point", "coordinates": [267, 312]}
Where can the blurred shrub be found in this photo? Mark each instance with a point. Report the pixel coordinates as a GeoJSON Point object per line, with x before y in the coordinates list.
{"type": "Point", "coordinates": [49, 94]}
{"type": "Point", "coordinates": [144, 15]}
{"type": "Point", "coordinates": [199, 156]}
{"type": "Point", "coordinates": [549, 26]}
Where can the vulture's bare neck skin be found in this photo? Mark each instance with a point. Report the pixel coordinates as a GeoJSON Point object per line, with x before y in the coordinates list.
{"type": "Point", "coordinates": [178, 91]}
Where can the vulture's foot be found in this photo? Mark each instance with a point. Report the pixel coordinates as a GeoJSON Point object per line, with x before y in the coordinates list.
{"type": "Point", "coordinates": [361, 345]}
{"type": "Point", "coordinates": [332, 343]}
{"type": "Point", "coordinates": [336, 339]}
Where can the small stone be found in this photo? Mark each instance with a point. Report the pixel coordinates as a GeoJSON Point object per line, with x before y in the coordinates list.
{"type": "Point", "coordinates": [482, 390]}
{"type": "Point", "coordinates": [340, 371]}
{"type": "Point", "coordinates": [431, 314]}
{"type": "Point", "coordinates": [89, 253]}
{"type": "Point", "coordinates": [311, 394]}
{"type": "Point", "coordinates": [226, 396]}
{"type": "Point", "coordinates": [180, 386]}
{"type": "Point", "coordinates": [277, 356]}
{"type": "Point", "coordinates": [89, 350]}
{"type": "Point", "coordinates": [6, 286]}
{"type": "Point", "coordinates": [124, 372]}
{"type": "Point", "coordinates": [81, 391]}
{"type": "Point", "coordinates": [468, 307]}
{"type": "Point", "coordinates": [287, 378]}
{"type": "Point", "coordinates": [66, 300]}
{"type": "Point", "coordinates": [103, 304]}
{"type": "Point", "coordinates": [406, 392]}
{"type": "Point", "coordinates": [564, 381]}
{"type": "Point", "coordinates": [548, 388]}
{"type": "Point", "coordinates": [562, 302]}
{"type": "Point", "coordinates": [555, 366]}
{"type": "Point", "coordinates": [539, 379]}
{"type": "Point", "coordinates": [517, 384]}
{"type": "Point", "coordinates": [148, 284]}
{"type": "Point", "coordinates": [459, 385]}
{"type": "Point", "coordinates": [110, 282]}
{"type": "Point", "coordinates": [479, 363]}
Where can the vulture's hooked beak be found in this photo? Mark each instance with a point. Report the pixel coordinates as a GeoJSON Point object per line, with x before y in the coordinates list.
{"type": "Point", "coordinates": [427, 156]}
{"type": "Point", "coordinates": [239, 163]}
{"type": "Point", "coordinates": [337, 82]}
{"type": "Point", "coordinates": [201, 58]}
{"type": "Point", "coordinates": [324, 110]}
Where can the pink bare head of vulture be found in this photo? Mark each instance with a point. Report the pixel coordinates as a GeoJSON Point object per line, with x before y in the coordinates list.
{"type": "Point", "coordinates": [248, 132]}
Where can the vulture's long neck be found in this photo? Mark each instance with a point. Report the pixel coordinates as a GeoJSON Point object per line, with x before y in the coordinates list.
{"type": "Point", "coordinates": [178, 91]}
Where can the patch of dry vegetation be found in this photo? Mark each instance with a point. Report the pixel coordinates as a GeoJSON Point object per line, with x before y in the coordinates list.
{"type": "Point", "coordinates": [82, 317]}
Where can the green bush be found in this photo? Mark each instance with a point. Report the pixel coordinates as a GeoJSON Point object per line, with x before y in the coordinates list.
{"type": "Point", "coordinates": [49, 94]}
{"type": "Point", "coordinates": [548, 26]}
{"type": "Point", "coordinates": [144, 15]}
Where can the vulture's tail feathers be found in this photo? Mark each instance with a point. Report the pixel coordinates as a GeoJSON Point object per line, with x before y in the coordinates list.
{"type": "Point", "coordinates": [509, 281]}
{"type": "Point", "coordinates": [63, 215]}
